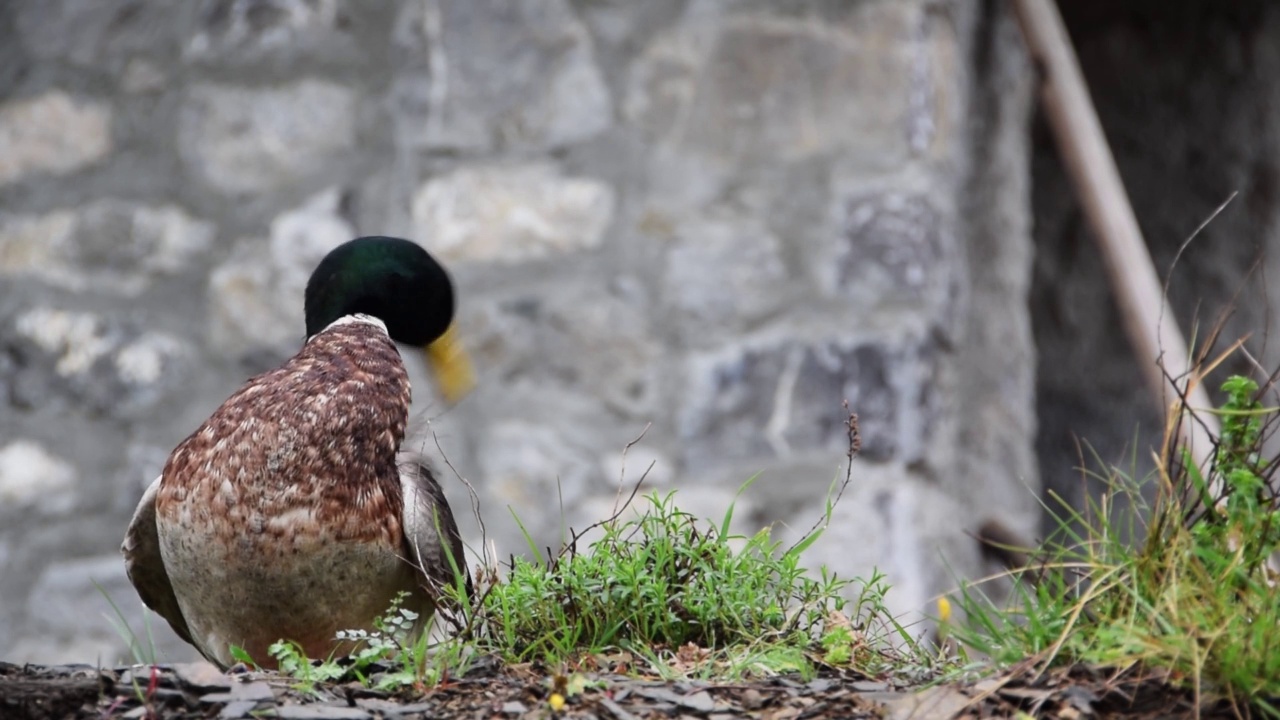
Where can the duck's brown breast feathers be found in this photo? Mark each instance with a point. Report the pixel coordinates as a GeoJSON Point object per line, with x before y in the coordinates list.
{"type": "Point", "coordinates": [305, 450]}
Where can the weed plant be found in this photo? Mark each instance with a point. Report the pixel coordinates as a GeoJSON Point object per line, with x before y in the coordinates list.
{"type": "Point", "coordinates": [1194, 598]}
{"type": "Point", "coordinates": [666, 580]}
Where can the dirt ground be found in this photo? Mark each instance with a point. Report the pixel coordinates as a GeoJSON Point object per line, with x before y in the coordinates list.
{"type": "Point", "coordinates": [491, 690]}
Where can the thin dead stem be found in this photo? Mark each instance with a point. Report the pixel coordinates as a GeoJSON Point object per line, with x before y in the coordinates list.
{"type": "Point", "coordinates": [1194, 234]}
{"type": "Point", "coordinates": [622, 474]}
{"type": "Point", "coordinates": [852, 449]}
{"type": "Point", "coordinates": [471, 489]}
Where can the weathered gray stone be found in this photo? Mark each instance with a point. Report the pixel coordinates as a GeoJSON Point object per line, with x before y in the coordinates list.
{"type": "Point", "coordinates": [77, 603]}
{"type": "Point", "coordinates": [115, 367]}
{"type": "Point", "coordinates": [33, 479]}
{"type": "Point", "coordinates": [543, 472]}
{"type": "Point", "coordinates": [549, 92]}
{"type": "Point", "coordinates": [640, 461]}
{"type": "Point", "coordinates": [51, 134]}
{"type": "Point", "coordinates": [94, 33]}
{"type": "Point", "coordinates": [77, 340]}
{"type": "Point", "coordinates": [141, 362]}
{"type": "Point", "coordinates": [751, 89]}
{"type": "Point", "coordinates": [47, 649]}
{"type": "Point", "coordinates": [511, 213]}
{"type": "Point", "coordinates": [893, 248]}
{"type": "Point", "coordinates": [777, 399]}
{"type": "Point", "coordinates": [723, 272]}
{"type": "Point", "coordinates": [108, 246]}
{"type": "Point", "coordinates": [996, 358]}
{"type": "Point", "coordinates": [142, 464]}
{"type": "Point", "coordinates": [244, 34]}
{"type": "Point", "coordinates": [143, 77]}
{"type": "Point", "coordinates": [256, 295]}
{"type": "Point", "coordinates": [593, 337]}
{"type": "Point", "coordinates": [249, 140]}
{"type": "Point", "coordinates": [528, 465]}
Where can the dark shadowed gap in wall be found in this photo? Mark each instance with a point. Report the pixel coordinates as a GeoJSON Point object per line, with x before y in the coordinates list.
{"type": "Point", "coordinates": [1185, 96]}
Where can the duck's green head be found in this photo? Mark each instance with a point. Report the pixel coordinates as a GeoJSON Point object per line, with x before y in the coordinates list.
{"type": "Point", "coordinates": [399, 283]}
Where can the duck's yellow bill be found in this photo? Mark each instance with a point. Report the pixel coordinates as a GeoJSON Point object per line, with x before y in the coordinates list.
{"type": "Point", "coordinates": [452, 367]}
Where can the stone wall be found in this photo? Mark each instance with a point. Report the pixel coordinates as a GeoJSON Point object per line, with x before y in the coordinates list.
{"type": "Point", "coordinates": [705, 221]}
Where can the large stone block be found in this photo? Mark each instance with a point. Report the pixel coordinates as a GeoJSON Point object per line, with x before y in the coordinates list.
{"type": "Point", "coordinates": [249, 33]}
{"type": "Point", "coordinates": [256, 295]}
{"type": "Point", "coordinates": [638, 463]}
{"type": "Point", "coordinates": [597, 339]}
{"type": "Point", "coordinates": [893, 248]}
{"type": "Point", "coordinates": [243, 140]}
{"type": "Point", "coordinates": [33, 479]}
{"type": "Point", "coordinates": [111, 246]}
{"type": "Point", "coordinates": [75, 611]}
{"type": "Point", "coordinates": [111, 366]}
{"type": "Point", "coordinates": [97, 33]}
{"type": "Point", "coordinates": [52, 134]}
{"type": "Point", "coordinates": [723, 272]}
{"type": "Point", "coordinates": [496, 74]}
{"type": "Point", "coordinates": [760, 401]}
{"type": "Point", "coordinates": [752, 89]}
{"type": "Point", "coordinates": [143, 77]}
{"type": "Point", "coordinates": [510, 213]}
{"type": "Point", "coordinates": [141, 464]}
{"type": "Point", "coordinates": [530, 465]}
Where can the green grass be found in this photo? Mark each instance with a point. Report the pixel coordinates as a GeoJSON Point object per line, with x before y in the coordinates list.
{"type": "Point", "coordinates": [664, 581]}
{"type": "Point", "coordinates": [1180, 585]}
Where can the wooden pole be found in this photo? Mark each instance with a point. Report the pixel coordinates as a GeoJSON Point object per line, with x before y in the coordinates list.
{"type": "Point", "coordinates": [1148, 319]}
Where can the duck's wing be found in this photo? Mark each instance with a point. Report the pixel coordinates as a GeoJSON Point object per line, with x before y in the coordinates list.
{"type": "Point", "coordinates": [431, 536]}
{"type": "Point", "coordinates": [145, 566]}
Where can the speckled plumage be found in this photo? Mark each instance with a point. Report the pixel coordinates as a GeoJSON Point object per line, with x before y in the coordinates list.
{"type": "Point", "coordinates": [291, 512]}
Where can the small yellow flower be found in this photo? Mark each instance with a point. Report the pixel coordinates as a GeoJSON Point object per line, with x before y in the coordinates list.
{"type": "Point", "coordinates": [944, 610]}
{"type": "Point", "coordinates": [556, 701]}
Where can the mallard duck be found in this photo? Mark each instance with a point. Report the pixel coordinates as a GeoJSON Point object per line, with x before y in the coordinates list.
{"type": "Point", "coordinates": [293, 512]}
